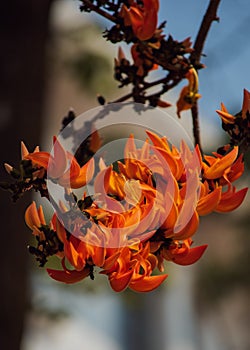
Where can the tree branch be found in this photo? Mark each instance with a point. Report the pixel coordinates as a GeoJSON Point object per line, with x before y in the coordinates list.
{"type": "Point", "coordinates": [146, 86]}
{"type": "Point", "coordinates": [99, 11]}
{"type": "Point", "coordinates": [209, 17]}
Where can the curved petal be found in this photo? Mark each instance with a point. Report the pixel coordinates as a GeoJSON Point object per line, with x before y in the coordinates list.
{"type": "Point", "coordinates": [226, 117]}
{"type": "Point", "coordinates": [68, 276]}
{"type": "Point", "coordinates": [85, 175]}
{"type": "Point", "coordinates": [110, 261]}
{"type": "Point", "coordinates": [98, 256]}
{"type": "Point", "coordinates": [58, 166]}
{"type": "Point", "coordinates": [76, 177]}
{"type": "Point", "coordinates": [191, 257]}
{"type": "Point", "coordinates": [72, 254]}
{"type": "Point", "coordinates": [172, 213]}
{"type": "Point", "coordinates": [119, 282]}
{"type": "Point", "coordinates": [147, 283]}
{"type": "Point", "coordinates": [231, 200]}
{"type": "Point", "coordinates": [160, 143]}
{"type": "Point", "coordinates": [189, 229]}
{"type": "Point", "coordinates": [130, 147]}
{"type": "Point", "coordinates": [60, 230]}
{"type": "Point", "coordinates": [220, 165]}
{"type": "Point", "coordinates": [32, 217]}
{"type": "Point", "coordinates": [209, 202]}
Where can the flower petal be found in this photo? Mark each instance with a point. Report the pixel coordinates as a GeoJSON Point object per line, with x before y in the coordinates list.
{"type": "Point", "coordinates": [226, 117]}
{"type": "Point", "coordinates": [188, 229]}
{"type": "Point", "coordinates": [32, 217]}
{"type": "Point", "coordinates": [85, 175]}
{"type": "Point", "coordinates": [68, 276]}
{"type": "Point", "coordinates": [209, 202]}
{"type": "Point", "coordinates": [147, 283]}
{"type": "Point", "coordinates": [58, 166]}
{"type": "Point", "coordinates": [191, 257]}
{"type": "Point", "coordinates": [231, 200]}
{"type": "Point", "coordinates": [109, 262]}
{"type": "Point", "coordinates": [220, 165]}
{"type": "Point", "coordinates": [119, 282]}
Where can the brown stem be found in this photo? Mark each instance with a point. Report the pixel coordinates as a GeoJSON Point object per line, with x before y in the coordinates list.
{"type": "Point", "coordinates": [149, 85]}
{"type": "Point", "coordinates": [99, 11]}
{"type": "Point", "coordinates": [196, 127]}
{"type": "Point", "coordinates": [123, 98]}
{"type": "Point", "coordinates": [209, 17]}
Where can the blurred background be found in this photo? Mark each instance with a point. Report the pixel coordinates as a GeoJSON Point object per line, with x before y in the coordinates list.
{"type": "Point", "coordinates": [53, 58]}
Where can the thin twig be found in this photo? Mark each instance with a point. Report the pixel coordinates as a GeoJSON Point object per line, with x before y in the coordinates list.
{"type": "Point", "coordinates": [209, 17]}
{"type": "Point", "coordinates": [99, 11]}
{"type": "Point", "coordinates": [148, 86]}
{"type": "Point", "coordinates": [123, 98]}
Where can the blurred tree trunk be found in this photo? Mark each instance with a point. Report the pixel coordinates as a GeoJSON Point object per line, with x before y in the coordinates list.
{"type": "Point", "coordinates": [23, 36]}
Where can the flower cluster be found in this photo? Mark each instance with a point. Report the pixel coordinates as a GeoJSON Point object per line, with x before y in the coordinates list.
{"type": "Point", "coordinates": [145, 210]}
{"type": "Point", "coordinates": [146, 207]}
{"type": "Point", "coordinates": [136, 23]}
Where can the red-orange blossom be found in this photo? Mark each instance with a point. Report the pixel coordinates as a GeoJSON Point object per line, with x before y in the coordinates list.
{"type": "Point", "coordinates": [140, 223]}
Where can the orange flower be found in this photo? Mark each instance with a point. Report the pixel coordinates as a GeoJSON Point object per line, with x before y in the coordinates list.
{"type": "Point", "coordinates": [219, 166]}
{"type": "Point", "coordinates": [143, 19]}
{"type": "Point", "coordinates": [182, 254]}
{"type": "Point", "coordinates": [74, 177]}
{"type": "Point", "coordinates": [223, 169]}
{"type": "Point", "coordinates": [48, 241]}
{"type": "Point", "coordinates": [235, 172]}
{"type": "Point", "coordinates": [69, 276]}
{"type": "Point", "coordinates": [226, 117]}
{"type": "Point", "coordinates": [57, 163]}
{"type": "Point", "coordinates": [82, 256]}
{"type": "Point", "coordinates": [208, 200]}
{"type": "Point", "coordinates": [109, 181]}
{"type": "Point", "coordinates": [35, 219]}
{"type": "Point", "coordinates": [189, 94]}
{"type": "Point", "coordinates": [231, 200]}
{"type": "Point", "coordinates": [133, 269]}
{"type": "Point", "coordinates": [219, 171]}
